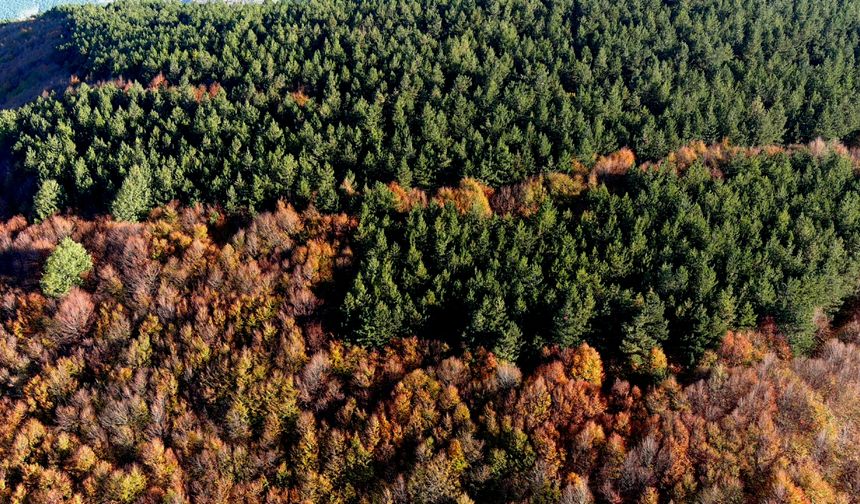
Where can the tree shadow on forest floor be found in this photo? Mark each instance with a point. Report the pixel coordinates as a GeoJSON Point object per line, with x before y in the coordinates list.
{"type": "Point", "coordinates": [21, 268]}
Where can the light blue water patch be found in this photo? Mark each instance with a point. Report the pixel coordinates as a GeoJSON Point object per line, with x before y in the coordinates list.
{"type": "Point", "coordinates": [19, 9]}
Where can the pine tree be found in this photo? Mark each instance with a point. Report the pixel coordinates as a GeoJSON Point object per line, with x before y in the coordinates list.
{"type": "Point", "coordinates": [571, 322]}
{"type": "Point", "coordinates": [47, 200]}
{"type": "Point", "coordinates": [646, 331]}
{"type": "Point", "coordinates": [134, 197]}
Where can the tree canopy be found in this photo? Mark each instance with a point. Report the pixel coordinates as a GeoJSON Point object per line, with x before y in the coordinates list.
{"type": "Point", "coordinates": [669, 257]}
{"type": "Point", "coordinates": [251, 103]}
{"type": "Point", "coordinates": [64, 267]}
{"type": "Point", "coordinates": [433, 251]}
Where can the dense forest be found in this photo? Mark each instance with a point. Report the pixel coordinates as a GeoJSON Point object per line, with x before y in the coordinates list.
{"type": "Point", "coordinates": [189, 361]}
{"type": "Point", "coordinates": [243, 105]}
{"type": "Point", "coordinates": [433, 251]}
{"type": "Point", "coordinates": [669, 257]}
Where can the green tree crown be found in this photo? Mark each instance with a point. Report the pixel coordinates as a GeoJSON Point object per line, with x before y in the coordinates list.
{"type": "Point", "coordinates": [64, 268]}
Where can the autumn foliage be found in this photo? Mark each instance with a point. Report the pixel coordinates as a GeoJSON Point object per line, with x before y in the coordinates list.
{"type": "Point", "coordinates": [365, 252]}
{"type": "Point", "coordinates": [195, 364]}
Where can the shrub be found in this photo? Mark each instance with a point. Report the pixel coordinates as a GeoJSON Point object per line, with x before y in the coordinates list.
{"type": "Point", "coordinates": [64, 268]}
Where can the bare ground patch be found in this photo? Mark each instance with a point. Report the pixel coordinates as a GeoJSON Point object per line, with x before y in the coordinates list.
{"type": "Point", "coordinates": [30, 61]}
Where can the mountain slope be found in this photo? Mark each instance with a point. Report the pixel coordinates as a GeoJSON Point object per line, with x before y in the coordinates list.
{"type": "Point", "coordinates": [30, 61]}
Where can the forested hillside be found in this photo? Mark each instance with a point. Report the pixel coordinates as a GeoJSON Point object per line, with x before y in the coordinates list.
{"type": "Point", "coordinates": [193, 358]}
{"type": "Point", "coordinates": [185, 360]}
{"type": "Point", "coordinates": [668, 257]}
{"type": "Point", "coordinates": [544, 251]}
{"type": "Point", "coordinates": [302, 95]}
